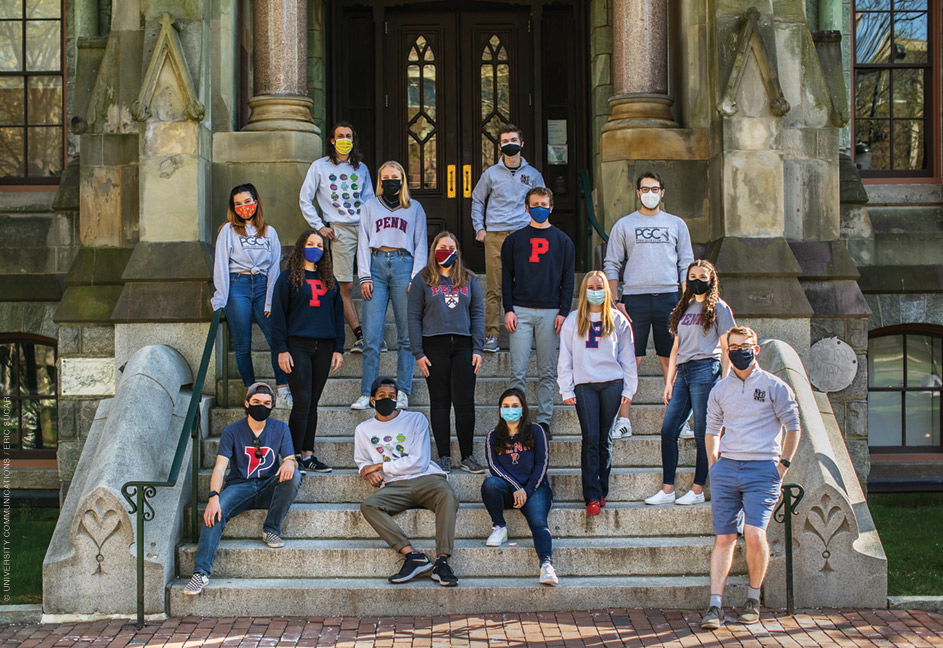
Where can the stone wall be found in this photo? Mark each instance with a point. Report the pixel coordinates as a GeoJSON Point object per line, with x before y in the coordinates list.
{"type": "Point", "coordinates": [600, 82]}
{"type": "Point", "coordinates": [317, 78]}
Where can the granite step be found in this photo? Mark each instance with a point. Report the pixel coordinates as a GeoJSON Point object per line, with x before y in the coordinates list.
{"type": "Point", "coordinates": [264, 597]}
{"type": "Point", "coordinates": [366, 558]}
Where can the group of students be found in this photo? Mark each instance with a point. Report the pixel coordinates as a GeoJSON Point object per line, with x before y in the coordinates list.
{"type": "Point", "coordinates": [444, 324]}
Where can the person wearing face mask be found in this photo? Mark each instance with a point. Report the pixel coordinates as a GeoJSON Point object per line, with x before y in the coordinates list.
{"type": "Point", "coordinates": [699, 323]}
{"type": "Point", "coordinates": [597, 374]}
{"type": "Point", "coordinates": [264, 475]}
{"type": "Point", "coordinates": [499, 208]}
{"type": "Point", "coordinates": [538, 263]}
{"type": "Point", "coordinates": [654, 249]}
{"type": "Point", "coordinates": [392, 452]}
{"type": "Point", "coordinates": [307, 337]}
{"type": "Point", "coordinates": [391, 251]}
{"type": "Point", "coordinates": [248, 260]}
{"type": "Point", "coordinates": [748, 455]}
{"type": "Point", "coordinates": [447, 331]}
{"type": "Point", "coordinates": [338, 185]}
{"type": "Point", "coordinates": [518, 456]}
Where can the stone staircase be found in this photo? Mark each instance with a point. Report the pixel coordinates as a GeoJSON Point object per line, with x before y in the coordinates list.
{"type": "Point", "coordinates": [333, 563]}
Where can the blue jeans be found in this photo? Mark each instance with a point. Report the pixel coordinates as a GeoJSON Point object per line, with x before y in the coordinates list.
{"type": "Point", "coordinates": [391, 272]}
{"type": "Point", "coordinates": [498, 495]}
{"type": "Point", "coordinates": [596, 407]}
{"type": "Point", "coordinates": [247, 300]}
{"type": "Point", "coordinates": [236, 498]}
{"type": "Point", "coordinates": [692, 386]}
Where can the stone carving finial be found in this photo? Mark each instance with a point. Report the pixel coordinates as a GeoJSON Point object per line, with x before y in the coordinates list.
{"type": "Point", "coordinates": [751, 38]}
{"type": "Point", "coordinates": [167, 49]}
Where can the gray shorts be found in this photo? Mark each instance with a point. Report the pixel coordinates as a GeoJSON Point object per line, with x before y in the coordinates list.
{"type": "Point", "coordinates": [344, 249]}
{"type": "Point", "coordinates": [752, 487]}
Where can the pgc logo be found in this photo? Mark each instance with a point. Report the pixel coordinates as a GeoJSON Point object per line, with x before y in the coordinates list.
{"type": "Point", "coordinates": [652, 235]}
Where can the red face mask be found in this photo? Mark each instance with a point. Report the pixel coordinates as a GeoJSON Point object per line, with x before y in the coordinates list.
{"type": "Point", "coordinates": [247, 211]}
{"type": "Point", "coordinates": [445, 257]}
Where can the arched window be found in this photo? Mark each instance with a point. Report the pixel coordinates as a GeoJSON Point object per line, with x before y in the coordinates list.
{"type": "Point", "coordinates": [905, 381]}
{"type": "Point", "coordinates": [28, 409]}
{"type": "Point", "coordinates": [421, 113]}
{"type": "Point", "coordinates": [495, 98]}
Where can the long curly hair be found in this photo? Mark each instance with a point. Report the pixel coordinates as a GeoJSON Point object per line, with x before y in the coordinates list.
{"type": "Point", "coordinates": [525, 431]}
{"type": "Point", "coordinates": [296, 262]}
{"type": "Point", "coordinates": [582, 311]}
{"type": "Point", "coordinates": [708, 314]}
{"type": "Point", "coordinates": [459, 275]}
{"type": "Point", "coordinates": [355, 156]}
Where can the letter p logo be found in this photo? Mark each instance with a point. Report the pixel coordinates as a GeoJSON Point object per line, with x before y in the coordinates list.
{"type": "Point", "coordinates": [317, 289]}
{"type": "Point", "coordinates": [538, 246]}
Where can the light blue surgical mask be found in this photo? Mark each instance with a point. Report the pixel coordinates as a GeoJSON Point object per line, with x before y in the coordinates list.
{"type": "Point", "coordinates": [511, 414]}
{"type": "Point", "coordinates": [539, 214]}
{"type": "Point", "coordinates": [595, 297]}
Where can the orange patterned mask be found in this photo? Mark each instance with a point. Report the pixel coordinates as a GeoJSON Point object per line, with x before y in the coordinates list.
{"type": "Point", "coordinates": [247, 211]}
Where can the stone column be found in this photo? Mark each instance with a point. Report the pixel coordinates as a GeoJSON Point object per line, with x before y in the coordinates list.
{"type": "Point", "coordinates": [281, 52]}
{"type": "Point", "coordinates": [640, 66]}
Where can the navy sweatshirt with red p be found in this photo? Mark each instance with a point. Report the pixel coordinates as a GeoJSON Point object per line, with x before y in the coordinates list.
{"type": "Point", "coordinates": [311, 311]}
{"type": "Point", "coordinates": [537, 267]}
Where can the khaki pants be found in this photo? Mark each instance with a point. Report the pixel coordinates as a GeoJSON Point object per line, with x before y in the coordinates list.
{"type": "Point", "coordinates": [494, 311]}
{"type": "Point", "coordinates": [431, 492]}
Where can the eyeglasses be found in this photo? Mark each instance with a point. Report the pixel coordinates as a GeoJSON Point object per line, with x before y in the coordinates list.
{"type": "Point", "coordinates": [646, 190]}
{"type": "Point", "coordinates": [258, 450]}
{"type": "Point", "coordinates": [738, 347]}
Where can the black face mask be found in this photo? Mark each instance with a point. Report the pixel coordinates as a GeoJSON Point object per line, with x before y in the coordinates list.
{"type": "Point", "coordinates": [511, 149]}
{"type": "Point", "coordinates": [741, 358]}
{"type": "Point", "coordinates": [259, 412]}
{"type": "Point", "coordinates": [384, 406]}
{"type": "Point", "coordinates": [391, 187]}
{"type": "Point", "coordinates": [699, 286]}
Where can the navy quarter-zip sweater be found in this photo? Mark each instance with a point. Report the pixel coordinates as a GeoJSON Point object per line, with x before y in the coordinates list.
{"type": "Point", "coordinates": [537, 267]}
{"type": "Point", "coordinates": [309, 312]}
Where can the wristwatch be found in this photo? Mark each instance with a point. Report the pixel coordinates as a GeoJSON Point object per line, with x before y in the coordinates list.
{"type": "Point", "coordinates": [785, 462]}
{"type": "Point", "coordinates": [212, 494]}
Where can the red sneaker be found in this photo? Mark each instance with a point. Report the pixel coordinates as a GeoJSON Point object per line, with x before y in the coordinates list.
{"type": "Point", "coordinates": [592, 508]}
{"type": "Point", "coordinates": [602, 502]}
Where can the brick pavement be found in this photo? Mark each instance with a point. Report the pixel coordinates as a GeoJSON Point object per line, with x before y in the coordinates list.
{"type": "Point", "coordinates": [597, 628]}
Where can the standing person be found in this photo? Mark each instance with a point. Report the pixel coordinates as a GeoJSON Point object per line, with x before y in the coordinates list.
{"type": "Point", "coordinates": [248, 260]}
{"type": "Point", "coordinates": [597, 373]}
{"type": "Point", "coordinates": [750, 407]}
{"type": "Point", "coordinates": [655, 248]}
{"type": "Point", "coordinates": [339, 184]}
{"type": "Point", "coordinates": [537, 289]}
{"type": "Point", "coordinates": [392, 453]}
{"type": "Point", "coordinates": [308, 336]}
{"type": "Point", "coordinates": [518, 456]}
{"type": "Point", "coordinates": [498, 208]}
{"type": "Point", "coordinates": [263, 476]}
{"type": "Point", "coordinates": [391, 251]}
{"type": "Point", "coordinates": [447, 331]}
{"type": "Point", "coordinates": [699, 324]}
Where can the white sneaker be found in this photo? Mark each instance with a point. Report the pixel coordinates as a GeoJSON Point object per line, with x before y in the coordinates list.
{"type": "Point", "coordinates": [548, 576]}
{"type": "Point", "coordinates": [361, 403]}
{"type": "Point", "coordinates": [621, 429]}
{"type": "Point", "coordinates": [661, 497]}
{"type": "Point", "coordinates": [402, 399]}
{"type": "Point", "coordinates": [499, 535]}
{"type": "Point", "coordinates": [686, 431]}
{"type": "Point", "coordinates": [197, 582]}
{"type": "Point", "coordinates": [690, 498]}
{"type": "Point", "coordinates": [284, 395]}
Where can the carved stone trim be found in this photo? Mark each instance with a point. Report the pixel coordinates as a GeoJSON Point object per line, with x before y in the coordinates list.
{"type": "Point", "coordinates": [751, 38]}
{"type": "Point", "coordinates": [167, 48]}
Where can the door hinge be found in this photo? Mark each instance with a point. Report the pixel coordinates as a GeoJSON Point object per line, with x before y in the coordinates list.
{"type": "Point", "coordinates": [386, 26]}
{"type": "Point", "coordinates": [530, 99]}
{"type": "Point", "coordinates": [528, 25]}
{"type": "Point", "coordinates": [386, 101]}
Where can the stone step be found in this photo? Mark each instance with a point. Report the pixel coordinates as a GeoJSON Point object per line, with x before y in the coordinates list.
{"type": "Point", "coordinates": [654, 556]}
{"type": "Point", "coordinates": [343, 391]}
{"type": "Point", "coordinates": [566, 520]}
{"type": "Point", "coordinates": [493, 365]}
{"type": "Point", "coordinates": [638, 451]}
{"type": "Point", "coordinates": [344, 485]}
{"type": "Point", "coordinates": [262, 597]}
{"type": "Point", "coordinates": [341, 421]}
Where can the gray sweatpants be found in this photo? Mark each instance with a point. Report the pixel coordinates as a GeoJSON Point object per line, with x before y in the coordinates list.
{"type": "Point", "coordinates": [535, 325]}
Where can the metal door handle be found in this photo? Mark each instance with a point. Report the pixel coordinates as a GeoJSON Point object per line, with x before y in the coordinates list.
{"type": "Point", "coordinates": [450, 187]}
{"type": "Point", "coordinates": [466, 181]}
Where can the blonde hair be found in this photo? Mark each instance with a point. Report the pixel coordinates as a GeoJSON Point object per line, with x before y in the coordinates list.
{"type": "Point", "coordinates": [746, 331]}
{"type": "Point", "coordinates": [582, 311]}
{"type": "Point", "coordinates": [404, 190]}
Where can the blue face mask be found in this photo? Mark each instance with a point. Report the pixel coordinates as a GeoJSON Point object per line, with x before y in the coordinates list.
{"type": "Point", "coordinates": [313, 254]}
{"type": "Point", "coordinates": [511, 414]}
{"type": "Point", "coordinates": [595, 297]}
{"type": "Point", "coordinates": [539, 214]}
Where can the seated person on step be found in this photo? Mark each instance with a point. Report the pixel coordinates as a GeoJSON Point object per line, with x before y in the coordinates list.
{"type": "Point", "coordinates": [392, 451]}
{"type": "Point", "coordinates": [264, 475]}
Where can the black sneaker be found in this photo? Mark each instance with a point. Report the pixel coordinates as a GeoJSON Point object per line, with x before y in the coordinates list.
{"type": "Point", "coordinates": [313, 464]}
{"type": "Point", "coordinates": [442, 573]}
{"type": "Point", "coordinates": [414, 564]}
{"type": "Point", "coordinates": [546, 427]}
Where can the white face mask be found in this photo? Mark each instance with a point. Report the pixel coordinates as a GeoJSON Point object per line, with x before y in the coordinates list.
{"type": "Point", "coordinates": [651, 200]}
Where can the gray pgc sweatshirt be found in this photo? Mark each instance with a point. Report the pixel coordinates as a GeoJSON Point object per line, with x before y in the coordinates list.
{"type": "Point", "coordinates": [656, 251]}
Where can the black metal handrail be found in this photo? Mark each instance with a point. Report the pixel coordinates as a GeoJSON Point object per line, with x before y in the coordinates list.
{"type": "Point", "coordinates": [138, 492]}
{"type": "Point", "coordinates": [789, 502]}
{"type": "Point", "coordinates": [590, 211]}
